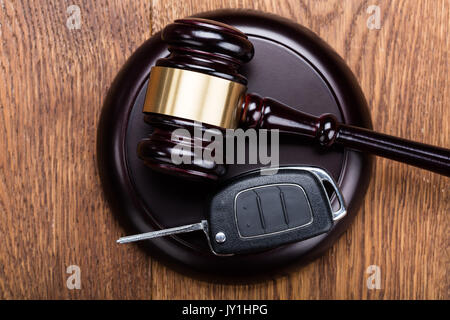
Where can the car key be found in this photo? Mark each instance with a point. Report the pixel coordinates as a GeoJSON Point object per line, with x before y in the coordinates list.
{"type": "Point", "coordinates": [261, 210]}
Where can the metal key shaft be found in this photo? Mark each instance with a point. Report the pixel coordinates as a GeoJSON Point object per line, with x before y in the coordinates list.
{"type": "Point", "coordinates": [202, 225]}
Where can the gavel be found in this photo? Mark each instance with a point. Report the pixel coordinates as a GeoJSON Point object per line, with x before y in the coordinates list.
{"type": "Point", "coordinates": [198, 86]}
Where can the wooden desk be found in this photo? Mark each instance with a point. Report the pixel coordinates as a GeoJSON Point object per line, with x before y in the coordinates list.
{"type": "Point", "coordinates": [52, 210]}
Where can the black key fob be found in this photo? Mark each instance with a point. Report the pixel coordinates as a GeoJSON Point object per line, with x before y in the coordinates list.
{"type": "Point", "coordinates": [262, 210]}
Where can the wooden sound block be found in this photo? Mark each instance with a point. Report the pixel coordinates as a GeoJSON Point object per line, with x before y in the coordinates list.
{"type": "Point", "coordinates": [291, 64]}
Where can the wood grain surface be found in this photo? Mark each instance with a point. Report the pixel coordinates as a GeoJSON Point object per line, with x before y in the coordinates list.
{"type": "Point", "coordinates": [53, 214]}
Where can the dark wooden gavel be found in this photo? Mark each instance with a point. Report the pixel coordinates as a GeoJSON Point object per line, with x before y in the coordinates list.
{"type": "Point", "coordinates": [199, 84]}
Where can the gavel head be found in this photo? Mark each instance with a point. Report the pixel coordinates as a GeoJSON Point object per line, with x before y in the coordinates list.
{"type": "Point", "coordinates": [198, 87]}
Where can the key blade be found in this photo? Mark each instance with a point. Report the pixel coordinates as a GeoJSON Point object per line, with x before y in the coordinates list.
{"type": "Point", "coordinates": [203, 225]}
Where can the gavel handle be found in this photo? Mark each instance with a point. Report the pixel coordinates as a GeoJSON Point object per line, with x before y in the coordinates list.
{"type": "Point", "coordinates": [326, 130]}
{"type": "Point", "coordinates": [414, 153]}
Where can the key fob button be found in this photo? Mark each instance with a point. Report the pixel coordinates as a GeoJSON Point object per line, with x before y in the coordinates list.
{"type": "Point", "coordinates": [296, 206]}
{"type": "Point", "coordinates": [248, 214]}
{"type": "Point", "coordinates": [270, 209]}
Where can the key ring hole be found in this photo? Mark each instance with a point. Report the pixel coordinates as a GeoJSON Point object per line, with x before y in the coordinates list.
{"type": "Point", "coordinates": [335, 205]}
